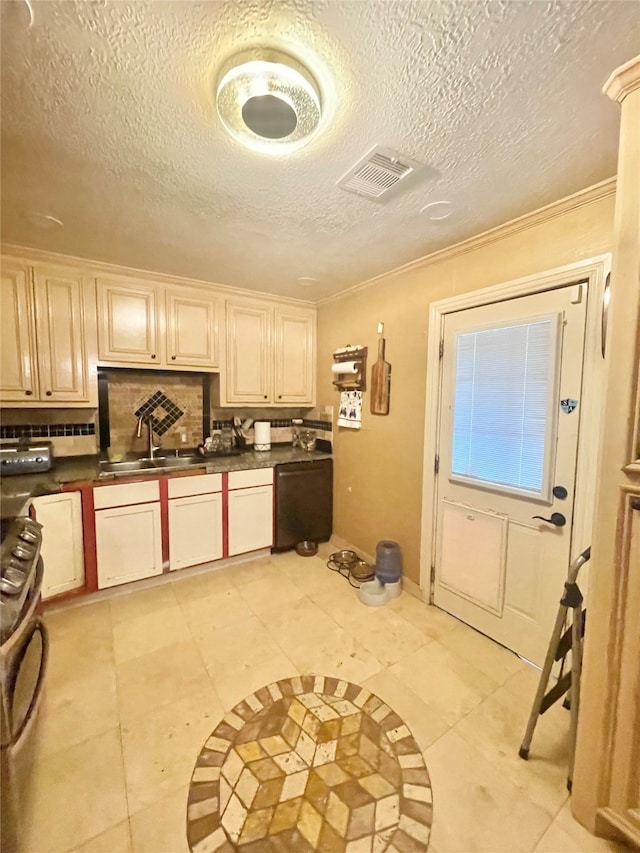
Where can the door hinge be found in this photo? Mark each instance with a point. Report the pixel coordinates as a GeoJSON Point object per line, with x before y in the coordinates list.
{"type": "Point", "coordinates": [436, 465]}
{"type": "Point", "coordinates": [432, 583]}
{"type": "Point", "coordinates": [441, 349]}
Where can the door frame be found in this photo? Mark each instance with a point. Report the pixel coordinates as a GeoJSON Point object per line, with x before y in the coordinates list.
{"type": "Point", "coordinates": [594, 272]}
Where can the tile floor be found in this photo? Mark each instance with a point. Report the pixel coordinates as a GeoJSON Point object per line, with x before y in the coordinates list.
{"type": "Point", "coordinates": [138, 682]}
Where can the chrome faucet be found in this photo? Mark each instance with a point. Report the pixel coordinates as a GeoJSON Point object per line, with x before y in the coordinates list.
{"type": "Point", "coordinates": [149, 422]}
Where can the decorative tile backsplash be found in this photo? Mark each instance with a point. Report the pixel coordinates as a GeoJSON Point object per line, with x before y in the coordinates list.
{"type": "Point", "coordinates": [46, 430]}
{"type": "Point", "coordinates": [162, 412]}
{"type": "Point", "coordinates": [175, 402]}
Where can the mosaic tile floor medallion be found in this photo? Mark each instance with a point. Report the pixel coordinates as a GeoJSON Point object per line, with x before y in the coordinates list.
{"type": "Point", "coordinates": [310, 763]}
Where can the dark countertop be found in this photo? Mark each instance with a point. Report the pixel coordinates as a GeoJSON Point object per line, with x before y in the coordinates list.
{"type": "Point", "coordinates": [16, 492]}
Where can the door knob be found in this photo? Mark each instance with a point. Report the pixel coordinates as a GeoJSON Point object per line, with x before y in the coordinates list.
{"type": "Point", "coordinates": [557, 518]}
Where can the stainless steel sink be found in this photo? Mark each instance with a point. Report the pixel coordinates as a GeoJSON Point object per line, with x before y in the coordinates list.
{"type": "Point", "coordinates": [131, 466]}
{"type": "Point", "coordinates": [161, 463]}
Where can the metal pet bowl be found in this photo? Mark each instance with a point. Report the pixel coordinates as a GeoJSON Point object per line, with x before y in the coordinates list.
{"type": "Point", "coordinates": [307, 548]}
{"type": "Point", "coordinates": [344, 559]}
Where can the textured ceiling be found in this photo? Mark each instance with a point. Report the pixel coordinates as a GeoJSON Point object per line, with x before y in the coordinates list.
{"type": "Point", "coordinates": [109, 124]}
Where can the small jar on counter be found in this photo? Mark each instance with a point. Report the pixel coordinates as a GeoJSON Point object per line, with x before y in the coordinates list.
{"type": "Point", "coordinates": [307, 439]}
{"type": "Point", "coordinates": [296, 424]}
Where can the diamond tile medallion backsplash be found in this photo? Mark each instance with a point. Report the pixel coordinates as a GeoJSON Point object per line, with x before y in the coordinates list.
{"type": "Point", "coordinates": [163, 412]}
{"type": "Point", "coordinates": [175, 402]}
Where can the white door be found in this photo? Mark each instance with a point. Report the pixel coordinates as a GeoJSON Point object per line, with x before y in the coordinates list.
{"type": "Point", "coordinates": [195, 530]}
{"type": "Point", "coordinates": [62, 542]}
{"type": "Point", "coordinates": [128, 544]}
{"type": "Point", "coordinates": [250, 519]}
{"type": "Point", "coordinates": [511, 381]}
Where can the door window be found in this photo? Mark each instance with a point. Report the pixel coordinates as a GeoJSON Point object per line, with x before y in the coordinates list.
{"type": "Point", "coordinates": [504, 406]}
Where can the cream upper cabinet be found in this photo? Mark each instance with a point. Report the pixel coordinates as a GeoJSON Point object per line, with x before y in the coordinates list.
{"type": "Point", "coordinates": [294, 356]}
{"type": "Point", "coordinates": [48, 336]}
{"type": "Point", "coordinates": [18, 365]}
{"type": "Point", "coordinates": [249, 348]}
{"type": "Point", "coordinates": [193, 329]}
{"type": "Point", "coordinates": [270, 354]}
{"type": "Point", "coordinates": [149, 325]}
{"type": "Point", "coordinates": [128, 322]}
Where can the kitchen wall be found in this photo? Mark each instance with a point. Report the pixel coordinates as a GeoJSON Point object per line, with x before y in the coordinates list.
{"type": "Point", "coordinates": [378, 469]}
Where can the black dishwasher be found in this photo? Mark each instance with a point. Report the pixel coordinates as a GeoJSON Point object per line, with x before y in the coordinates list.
{"type": "Point", "coordinates": [304, 502]}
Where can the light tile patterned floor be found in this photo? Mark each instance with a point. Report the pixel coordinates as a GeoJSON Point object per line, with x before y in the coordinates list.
{"type": "Point", "coordinates": [138, 682]}
{"type": "Point", "coordinates": [310, 763]}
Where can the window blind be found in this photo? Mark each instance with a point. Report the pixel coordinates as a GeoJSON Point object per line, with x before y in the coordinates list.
{"type": "Point", "coordinates": [501, 404]}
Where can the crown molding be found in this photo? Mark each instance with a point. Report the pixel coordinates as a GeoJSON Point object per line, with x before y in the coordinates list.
{"type": "Point", "coordinates": [623, 80]}
{"type": "Point", "coordinates": [592, 194]}
{"type": "Point", "coordinates": [98, 268]}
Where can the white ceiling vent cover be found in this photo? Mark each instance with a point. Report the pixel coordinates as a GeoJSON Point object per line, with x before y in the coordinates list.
{"type": "Point", "coordinates": [377, 173]}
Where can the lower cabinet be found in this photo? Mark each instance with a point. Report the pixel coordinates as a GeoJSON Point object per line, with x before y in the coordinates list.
{"type": "Point", "coordinates": [195, 520]}
{"type": "Point", "coordinates": [128, 532]}
{"type": "Point", "coordinates": [62, 542]}
{"type": "Point", "coordinates": [250, 510]}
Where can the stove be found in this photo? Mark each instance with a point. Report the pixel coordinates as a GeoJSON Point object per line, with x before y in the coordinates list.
{"type": "Point", "coordinates": [19, 556]}
{"type": "Point", "coordinates": [23, 661]}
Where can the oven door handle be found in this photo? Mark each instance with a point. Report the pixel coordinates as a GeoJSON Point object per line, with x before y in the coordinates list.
{"type": "Point", "coordinates": [39, 626]}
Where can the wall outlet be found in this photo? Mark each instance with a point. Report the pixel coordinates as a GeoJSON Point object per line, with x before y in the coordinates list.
{"type": "Point", "coordinates": [183, 436]}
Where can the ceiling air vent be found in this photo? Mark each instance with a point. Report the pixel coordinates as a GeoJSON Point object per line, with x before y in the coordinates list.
{"type": "Point", "coordinates": [379, 171]}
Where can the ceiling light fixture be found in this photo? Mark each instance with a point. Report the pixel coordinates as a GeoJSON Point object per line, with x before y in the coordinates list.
{"type": "Point", "coordinates": [268, 101]}
{"type": "Point", "coordinates": [437, 210]}
{"type": "Point", "coordinates": [307, 281]}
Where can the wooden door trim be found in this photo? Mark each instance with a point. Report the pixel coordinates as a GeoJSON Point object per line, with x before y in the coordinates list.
{"type": "Point", "coordinates": [593, 271]}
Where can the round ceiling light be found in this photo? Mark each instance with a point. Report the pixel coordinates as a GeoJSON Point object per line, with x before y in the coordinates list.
{"type": "Point", "coordinates": [268, 101]}
{"type": "Point", "coordinates": [307, 281]}
{"type": "Point", "coordinates": [437, 210]}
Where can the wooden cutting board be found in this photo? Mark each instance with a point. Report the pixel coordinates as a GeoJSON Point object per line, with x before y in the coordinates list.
{"type": "Point", "coordinates": [380, 383]}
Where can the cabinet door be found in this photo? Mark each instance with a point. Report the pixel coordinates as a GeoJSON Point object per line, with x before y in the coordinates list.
{"type": "Point", "coordinates": [61, 336]}
{"type": "Point", "coordinates": [128, 544]}
{"type": "Point", "coordinates": [250, 519]}
{"type": "Point", "coordinates": [129, 323]}
{"type": "Point", "coordinates": [192, 329]}
{"type": "Point", "coordinates": [249, 353]}
{"type": "Point", "coordinates": [294, 356]}
{"type": "Point", "coordinates": [19, 379]}
{"type": "Point", "coordinates": [195, 530]}
{"type": "Point", "coordinates": [62, 542]}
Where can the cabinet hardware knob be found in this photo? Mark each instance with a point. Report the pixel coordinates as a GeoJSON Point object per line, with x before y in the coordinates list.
{"type": "Point", "coordinates": [153, 356]}
{"type": "Point", "coordinates": [48, 393]}
{"type": "Point", "coordinates": [279, 396]}
{"type": "Point", "coordinates": [28, 393]}
{"type": "Point", "coordinates": [173, 358]}
{"type": "Point", "coordinates": [265, 396]}
{"type": "Point", "coordinates": [635, 503]}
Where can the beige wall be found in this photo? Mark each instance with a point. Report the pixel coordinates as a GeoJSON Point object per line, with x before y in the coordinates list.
{"type": "Point", "coordinates": [378, 469]}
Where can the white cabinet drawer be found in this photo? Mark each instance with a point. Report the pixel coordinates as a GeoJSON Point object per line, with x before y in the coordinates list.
{"type": "Point", "coordinates": [199, 484]}
{"type": "Point", "coordinates": [253, 477]}
{"type": "Point", "coordinates": [126, 494]}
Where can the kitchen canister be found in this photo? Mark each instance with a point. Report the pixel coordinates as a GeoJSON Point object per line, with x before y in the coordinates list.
{"type": "Point", "coordinates": [388, 562]}
{"type": "Point", "coordinates": [262, 435]}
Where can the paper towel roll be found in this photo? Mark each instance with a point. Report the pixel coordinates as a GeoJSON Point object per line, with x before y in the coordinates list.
{"type": "Point", "coordinates": [262, 435]}
{"type": "Point", "coordinates": [344, 367]}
